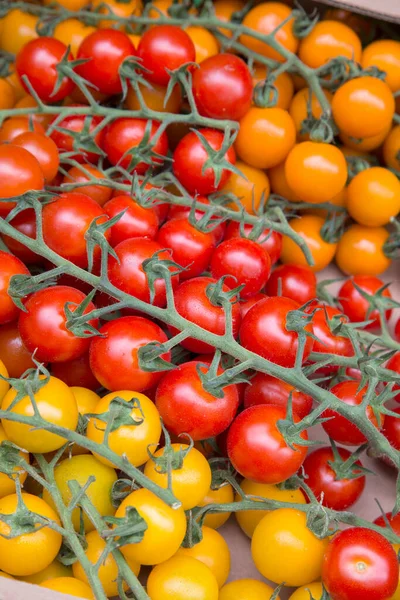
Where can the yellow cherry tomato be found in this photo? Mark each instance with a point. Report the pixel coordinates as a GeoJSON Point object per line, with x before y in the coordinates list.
{"type": "Point", "coordinates": [70, 586]}
{"type": "Point", "coordinates": [55, 569]}
{"type": "Point", "coordinates": [265, 137]}
{"type": "Point", "coordinates": [6, 575]}
{"type": "Point", "coordinates": [316, 171]}
{"type": "Point", "coordinates": [56, 404]}
{"type": "Point", "coordinates": [365, 144]}
{"type": "Point", "coordinates": [328, 40]}
{"type": "Point", "coordinates": [80, 468]}
{"type": "Point", "coordinates": [162, 7]}
{"type": "Point", "coordinates": [384, 54]}
{"type": "Point", "coordinates": [190, 474]}
{"type": "Point", "coordinates": [74, 5]}
{"type": "Point", "coordinates": [249, 519]}
{"type": "Point", "coordinates": [205, 44]}
{"type": "Point", "coordinates": [142, 429]}
{"type": "Point", "coordinates": [86, 399]}
{"type": "Point", "coordinates": [360, 251]}
{"type": "Point", "coordinates": [166, 528]}
{"type": "Point", "coordinates": [213, 551]}
{"type": "Point", "coordinates": [299, 109]}
{"type": "Point", "coordinates": [309, 228]}
{"type": "Point", "coordinates": [19, 28]}
{"type": "Point", "coordinates": [279, 184]}
{"type": "Point", "coordinates": [7, 95]}
{"type": "Point", "coordinates": [154, 98]}
{"type": "Point", "coordinates": [224, 10]}
{"type": "Point", "coordinates": [283, 84]}
{"type": "Point", "coordinates": [303, 593]}
{"type": "Point", "coordinates": [72, 32]}
{"type": "Point", "coordinates": [7, 482]}
{"type": "Point", "coordinates": [285, 550]}
{"type": "Point", "coordinates": [374, 197]}
{"type": "Point", "coordinates": [339, 200]}
{"type": "Point", "coordinates": [266, 18]}
{"type": "Point", "coordinates": [108, 570]}
{"type": "Point", "coordinates": [252, 188]}
{"type": "Point", "coordinates": [28, 553]}
{"type": "Point", "coordinates": [180, 578]}
{"type": "Point", "coordinates": [125, 9]}
{"type": "Point", "coordinates": [246, 589]}
{"type": "Point", "coordinates": [222, 495]}
{"type": "Point", "coordinates": [391, 149]}
{"type": "Point", "coordinates": [4, 385]}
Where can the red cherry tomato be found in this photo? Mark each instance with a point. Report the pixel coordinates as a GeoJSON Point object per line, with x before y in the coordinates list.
{"type": "Point", "coordinates": [127, 274]}
{"type": "Point", "coordinates": [105, 51]}
{"type": "Point", "coordinates": [194, 301]}
{"type": "Point", "coordinates": [297, 282]}
{"type": "Point", "coordinates": [265, 389]}
{"type": "Point", "coordinates": [358, 564]}
{"type": "Point", "coordinates": [76, 372]}
{"type": "Point", "coordinates": [264, 331]}
{"type": "Point", "coordinates": [223, 87]}
{"type": "Point", "coordinates": [190, 247]}
{"type": "Point", "coordinates": [186, 407]}
{"type": "Point", "coordinates": [10, 266]}
{"type": "Point", "coordinates": [13, 352]}
{"type": "Point", "coordinates": [44, 326]}
{"type": "Point", "coordinates": [258, 450]}
{"type": "Point", "coordinates": [164, 48]}
{"type": "Point", "coordinates": [20, 172]}
{"type": "Point", "coordinates": [190, 158]}
{"type": "Point", "coordinates": [38, 60]}
{"type": "Point", "coordinates": [245, 262]}
{"type": "Point", "coordinates": [125, 134]}
{"type": "Point", "coordinates": [136, 221]}
{"type": "Point", "coordinates": [183, 212]}
{"type": "Point", "coordinates": [394, 522]}
{"type": "Point", "coordinates": [114, 357]}
{"type": "Point", "coordinates": [394, 365]}
{"type": "Point", "coordinates": [397, 330]}
{"type": "Point", "coordinates": [24, 222]}
{"type": "Point", "coordinates": [270, 240]}
{"type": "Point", "coordinates": [355, 306]}
{"type": "Point", "coordinates": [43, 149]}
{"type": "Point", "coordinates": [391, 429]}
{"type": "Point", "coordinates": [77, 124]}
{"type": "Point", "coordinates": [326, 341]}
{"type": "Point", "coordinates": [339, 428]}
{"type": "Point", "coordinates": [248, 304]}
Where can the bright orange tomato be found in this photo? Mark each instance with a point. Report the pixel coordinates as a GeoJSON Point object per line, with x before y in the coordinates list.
{"type": "Point", "coordinates": [100, 193]}
{"type": "Point", "coordinates": [14, 81]}
{"type": "Point", "coordinates": [360, 251]}
{"type": "Point", "coordinates": [7, 95]}
{"type": "Point", "coordinates": [366, 144]}
{"type": "Point", "coordinates": [309, 228]}
{"type": "Point", "coordinates": [362, 26]}
{"type": "Point", "coordinates": [222, 495]}
{"type": "Point", "coordinates": [391, 149]}
{"type": "Point", "coordinates": [28, 102]}
{"type": "Point", "coordinates": [283, 84]}
{"type": "Point", "coordinates": [279, 184]}
{"type": "Point", "coordinates": [19, 28]}
{"type": "Point", "coordinates": [154, 98]}
{"type": "Point", "coordinates": [121, 9]}
{"type": "Point", "coordinates": [252, 188]}
{"type": "Point", "coordinates": [374, 197]}
{"type": "Point", "coordinates": [69, 4]}
{"type": "Point", "coordinates": [224, 10]}
{"type": "Point", "coordinates": [264, 19]}
{"type": "Point", "coordinates": [70, 586]}
{"type": "Point", "coordinates": [384, 54]}
{"type": "Point", "coordinates": [328, 40]}
{"type": "Point", "coordinates": [72, 32]}
{"type": "Point", "coordinates": [205, 43]}
{"type": "Point", "coordinates": [14, 126]}
{"type": "Point", "coordinates": [299, 109]}
{"type": "Point", "coordinates": [339, 200]}
{"type": "Point", "coordinates": [162, 6]}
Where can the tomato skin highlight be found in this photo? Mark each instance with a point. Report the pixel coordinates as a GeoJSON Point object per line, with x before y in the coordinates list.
{"type": "Point", "coordinates": [136, 221]}
{"type": "Point", "coordinates": [270, 240]}
{"type": "Point", "coordinates": [293, 281]}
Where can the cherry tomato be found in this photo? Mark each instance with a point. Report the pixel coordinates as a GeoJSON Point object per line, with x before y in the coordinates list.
{"type": "Point", "coordinates": [70, 586]}
{"type": "Point", "coordinates": [293, 281]}
{"type": "Point", "coordinates": [190, 247]}
{"type": "Point", "coordinates": [186, 407]}
{"type": "Point", "coordinates": [363, 107]}
{"type": "Point", "coordinates": [265, 389]}
{"type": "Point", "coordinates": [355, 306]}
{"type": "Point", "coordinates": [266, 18]}
{"type": "Point", "coordinates": [194, 301]}
{"type": "Point", "coordinates": [303, 593]}
{"type": "Point", "coordinates": [135, 223]}
{"type": "Point", "coordinates": [222, 495]}
{"type": "Point", "coordinates": [309, 228]}
{"type": "Point", "coordinates": [155, 98]}
{"type": "Point", "coordinates": [205, 43]}
{"type": "Point", "coordinates": [384, 54]}
{"type": "Point", "coordinates": [13, 353]}
{"type": "Point", "coordinates": [181, 577]}
{"type": "Point", "coordinates": [394, 522]}
{"type": "Point", "coordinates": [279, 184]}
{"type": "Point", "coordinates": [339, 428]}
{"type": "Point", "coordinates": [391, 149]}
{"type": "Point", "coordinates": [263, 331]}
{"type": "Point", "coordinates": [55, 569]}
{"type": "Point", "coordinates": [251, 188]}
{"type": "Point", "coordinates": [10, 266]}
{"type": "Point", "coordinates": [283, 85]}
{"type": "Point", "coordinates": [190, 157]}
{"type": "Point", "coordinates": [360, 563]}
{"type": "Point", "coordinates": [40, 119]}
{"type": "Point", "coordinates": [105, 51]}
{"type": "Point", "coordinates": [76, 372]}
{"type": "Point", "coordinates": [20, 172]}
{"type": "Point", "coordinates": [65, 225]}
{"type": "Point", "coordinates": [302, 104]}
{"type": "Point", "coordinates": [126, 134]}
{"type": "Point", "coordinates": [98, 192]}
{"type": "Point", "coordinates": [223, 87]}
{"type": "Point", "coordinates": [43, 149]}
{"type": "Point", "coordinates": [360, 251]}
{"type": "Point", "coordinates": [374, 197]}
{"type": "Point", "coordinates": [7, 95]}
{"type": "Point", "coordinates": [397, 330]}
{"type": "Point", "coordinates": [246, 589]}
{"type": "Point", "coordinates": [77, 124]}
{"type": "Point", "coordinates": [182, 212]}
{"type": "Point", "coordinates": [18, 29]}
{"type": "Point", "coordinates": [8, 479]}
{"type": "Point", "coordinates": [224, 9]}
{"type": "Point", "coordinates": [265, 137]}
{"type": "Point", "coordinates": [329, 40]}
{"type": "Point", "coordinates": [325, 320]}
{"type": "Point", "coordinates": [72, 32]}
{"type": "Point", "coordinates": [126, 9]}
{"type": "Point", "coordinates": [164, 48]}
{"type": "Point", "coordinates": [394, 365]}
{"type": "Point", "coordinates": [269, 239]}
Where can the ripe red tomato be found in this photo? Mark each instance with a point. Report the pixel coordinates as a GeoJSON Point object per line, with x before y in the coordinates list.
{"type": "Point", "coordinates": [190, 247]}
{"type": "Point", "coordinates": [43, 149]}
{"type": "Point", "coordinates": [127, 274]}
{"type": "Point", "coordinates": [245, 262]}
{"type": "Point", "coordinates": [186, 407]}
{"type": "Point", "coordinates": [394, 365]}
{"type": "Point", "coordinates": [193, 300]}
{"type": "Point", "coordinates": [297, 282]}
{"type": "Point", "coordinates": [14, 354]}
{"type": "Point", "coordinates": [264, 331]}
{"type": "Point", "coordinates": [358, 564]}
{"type": "Point", "coordinates": [223, 87]}
{"type": "Point", "coordinates": [106, 50]}
{"type": "Point", "coordinates": [331, 489]}
{"type": "Point", "coordinates": [24, 222]}
{"type": "Point", "coordinates": [20, 172]}
{"type": "Point", "coordinates": [190, 158]}
{"type": "Point", "coordinates": [270, 240]}
{"type": "Point", "coordinates": [38, 60]}
{"type": "Point", "coordinates": [10, 266]}
{"type": "Point", "coordinates": [136, 221]}
{"type": "Point", "coordinates": [114, 357]}
{"type": "Point", "coordinates": [43, 326]}
{"type": "Point", "coordinates": [397, 330]}
{"type": "Point", "coordinates": [391, 428]}
{"type": "Point", "coordinates": [248, 304]}
{"type": "Point", "coordinates": [258, 450]}
{"type": "Point", "coordinates": [77, 124]}
{"type": "Point", "coordinates": [164, 47]}
{"type": "Point", "coordinates": [265, 389]}
{"type": "Point", "coordinates": [339, 428]}
{"type": "Point", "coordinates": [76, 372]}
{"type": "Point", "coordinates": [124, 135]}
{"type": "Point", "coordinates": [182, 212]}
{"type": "Point", "coordinates": [326, 341]}
{"type": "Point", "coordinates": [355, 306]}
{"type": "Point", "coordinates": [394, 522]}
{"type": "Point", "coordinates": [65, 223]}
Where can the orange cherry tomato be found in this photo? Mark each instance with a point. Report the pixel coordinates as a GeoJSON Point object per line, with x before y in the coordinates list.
{"type": "Point", "coordinates": [362, 26]}
{"type": "Point", "coordinates": [328, 40]}
{"type": "Point", "coordinates": [374, 197]}
{"type": "Point", "coordinates": [252, 188]}
{"type": "Point", "coordinates": [100, 193]}
{"type": "Point", "coordinates": [224, 10]}
{"type": "Point", "coordinates": [29, 102]}
{"type": "Point", "coordinates": [360, 251]}
{"type": "Point", "coordinates": [7, 95]}
{"type": "Point", "coordinates": [72, 32]}
{"type": "Point", "coordinates": [125, 9]}
{"type": "Point", "coordinates": [19, 28]}
{"type": "Point", "coordinates": [283, 84]}
{"type": "Point", "coordinates": [391, 149]}
{"type": "Point", "coordinates": [16, 84]}
{"type": "Point", "coordinates": [302, 101]}
{"type": "Point", "coordinates": [279, 184]}
{"type": "Point", "coordinates": [309, 228]}
{"type": "Point", "coordinates": [366, 144]}
{"type": "Point", "coordinates": [14, 126]}
{"type": "Point", "coordinates": [205, 44]}
{"type": "Point", "coordinates": [154, 98]}
{"type": "Point", "coordinates": [384, 54]}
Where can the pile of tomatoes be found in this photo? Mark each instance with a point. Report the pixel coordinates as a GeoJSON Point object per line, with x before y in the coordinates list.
{"type": "Point", "coordinates": [173, 176]}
